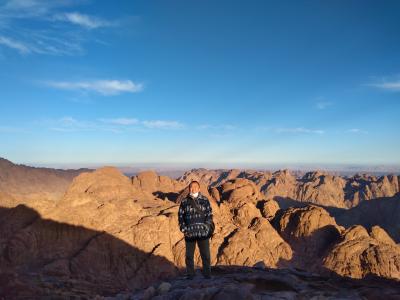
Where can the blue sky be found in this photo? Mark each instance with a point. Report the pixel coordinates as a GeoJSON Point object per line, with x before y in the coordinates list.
{"type": "Point", "coordinates": [200, 82]}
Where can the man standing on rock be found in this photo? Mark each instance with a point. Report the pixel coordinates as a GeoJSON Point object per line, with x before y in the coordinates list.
{"type": "Point", "coordinates": [196, 222]}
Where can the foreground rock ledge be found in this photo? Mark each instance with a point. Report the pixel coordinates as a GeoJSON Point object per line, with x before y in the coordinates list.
{"type": "Point", "coordinates": [234, 282]}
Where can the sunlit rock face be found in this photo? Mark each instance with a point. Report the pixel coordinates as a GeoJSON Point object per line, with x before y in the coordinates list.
{"type": "Point", "coordinates": [109, 232]}
{"type": "Point", "coordinates": [316, 187]}
{"type": "Point", "coordinates": [359, 254]}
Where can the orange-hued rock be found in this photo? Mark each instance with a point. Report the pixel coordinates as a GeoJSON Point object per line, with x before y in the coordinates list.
{"type": "Point", "coordinates": [109, 232]}
{"type": "Point", "coordinates": [359, 254]}
{"type": "Point", "coordinates": [261, 179]}
{"type": "Point", "coordinates": [381, 235]}
{"type": "Point", "coordinates": [322, 189]}
{"type": "Point", "coordinates": [150, 181]}
{"type": "Point", "coordinates": [103, 185]}
{"type": "Point", "coordinates": [250, 245]}
{"type": "Point", "coordinates": [40, 188]}
{"type": "Point", "coordinates": [209, 177]}
{"type": "Point", "coordinates": [237, 203]}
{"type": "Point", "coordinates": [98, 232]}
{"type": "Point", "coordinates": [364, 187]}
{"type": "Point", "coordinates": [204, 176]}
{"type": "Point", "coordinates": [215, 194]}
{"type": "Point", "coordinates": [310, 231]}
{"type": "Point", "coordinates": [238, 189]}
{"type": "Point", "coordinates": [305, 221]}
{"type": "Point", "coordinates": [269, 208]}
{"type": "Point", "coordinates": [383, 211]}
{"type": "Point", "coordinates": [243, 212]}
{"type": "Point", "coordinates": [282, 184]}
{"type": "Point", "coordinates": [319, 187]}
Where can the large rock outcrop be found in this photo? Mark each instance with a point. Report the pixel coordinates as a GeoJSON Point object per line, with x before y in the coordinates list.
{"type": "Point", "coordinates": [257, 243]}
{"type": "Point", "coordinates": [310, 231]}
{"type": "Point", "coordinates": [360, 254]}
{"type": "Point", "coordinates": [150, 181]}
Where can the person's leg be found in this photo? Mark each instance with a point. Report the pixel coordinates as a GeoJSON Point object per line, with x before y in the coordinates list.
{"type": "Point", "coordinates": [190, 245]}
{"type": "Point", "coordinates": [204, 247]}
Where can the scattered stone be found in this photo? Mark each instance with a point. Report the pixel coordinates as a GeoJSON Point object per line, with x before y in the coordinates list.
{"type": "Point", "coordinates": [163, 288]}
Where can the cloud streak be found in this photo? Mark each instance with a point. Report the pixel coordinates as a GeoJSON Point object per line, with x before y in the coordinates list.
{"type": "Point", "coordinates": [69, 124]}
{"type": "Point", "coordinates": [357, 130]}
{"type": "Point", "coordinates": [44, 27]}
{"type": "Point", "coordinates": [120, 121]}
{"type": "Point", "coordinates": [86, 21]}
{"type": "Point", "coordinates": [299, 130]}
{"type": "Point", "coordinates": [16, 45]}
{"type": "Point", "coordinates": [160, 124]}
{"type": "Point", "coordinates": [103, 87]}
{"type": "Point", "coordinates": [216, 127]}
{"type": "Point", "coordinates": [390, 86]}
{"type": "Point", "coordinates": [118, 125]}
{"type": "Point", "coordinates": [30, 8]}
{"type": "Point", "coordinates": [36, 42]}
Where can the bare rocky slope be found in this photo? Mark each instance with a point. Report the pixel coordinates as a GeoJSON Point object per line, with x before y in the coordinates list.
{"type": "Point", "coordinates": [24, 184]}
{"type": "Point", "coordinates": [113, 235]}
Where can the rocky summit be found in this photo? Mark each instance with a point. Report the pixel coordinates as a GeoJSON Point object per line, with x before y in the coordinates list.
{"type": "Point", "coordinates": [277, 235]}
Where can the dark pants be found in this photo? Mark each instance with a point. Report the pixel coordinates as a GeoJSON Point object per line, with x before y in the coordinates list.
{"type": "Point", "coordinates": [204, 247]}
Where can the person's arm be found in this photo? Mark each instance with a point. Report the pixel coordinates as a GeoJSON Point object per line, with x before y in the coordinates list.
{"type": "Point", "coordinates": [208, 213]}
{"type": "Point", "coordinates": [181, 218]}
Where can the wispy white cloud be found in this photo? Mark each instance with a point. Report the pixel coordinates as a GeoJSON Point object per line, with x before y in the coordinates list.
{"type": "Point", "coordinates": [39, 43]}
{"type": "Point", "coordinates": [121, 121]}
{"type": "Point", "coordinates": [103, 87]}
{"type": "Point", "coordinates": [51, 29]}
{"type": "Point", "coordinates": [216, 127]}
{"type": "Point", "coordinates": [71, 124]}
{"type": "Point", "coordinates": [118, 125]}
{"type": "Point", "coordinates": [294, 130]}
{"type": "Point", "coordinates": [161, 124]}
{"type": "Point", "coordinates": [357, 130]}
{"type": "Point", "coordinates": [10, 43]}
{"type": "Point", "coordinates": [390, 86]}
{"type": "Point", "coordinates": [31, 8]}
{"type": "Point", "coordinates": [299, 130]}
{"type": "Point", "coordinates": [90, 22]}
{"type": "Point", "coordinates": [68, 124]}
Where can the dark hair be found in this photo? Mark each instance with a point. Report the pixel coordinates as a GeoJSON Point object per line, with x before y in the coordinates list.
{"type": "Point", "coordinates": [194, 181]}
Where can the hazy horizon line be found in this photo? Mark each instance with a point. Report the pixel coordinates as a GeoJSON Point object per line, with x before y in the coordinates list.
{"type": "Point", "coordinates": [174, 166]}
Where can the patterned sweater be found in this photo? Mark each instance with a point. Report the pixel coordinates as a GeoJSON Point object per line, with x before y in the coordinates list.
{"type": "Point", "coordinates": [194, 225]}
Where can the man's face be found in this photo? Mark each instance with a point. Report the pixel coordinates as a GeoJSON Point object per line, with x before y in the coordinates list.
{"type": "Point", "coordinates": [194, 188]}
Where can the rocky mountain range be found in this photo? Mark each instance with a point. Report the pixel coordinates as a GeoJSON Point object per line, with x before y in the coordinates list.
{"type": "Point", "coordinates": [24, 184]}
{"type": "Point", "coordinates": [102, 234]}
{"type": "Point", "coordinates": [316, 187]}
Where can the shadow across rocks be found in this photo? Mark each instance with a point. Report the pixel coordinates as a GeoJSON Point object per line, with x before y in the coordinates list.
{"type": "Point", "coordinates": [45, 258]}
{"type": "Point", "coordinates": [167, 196]}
